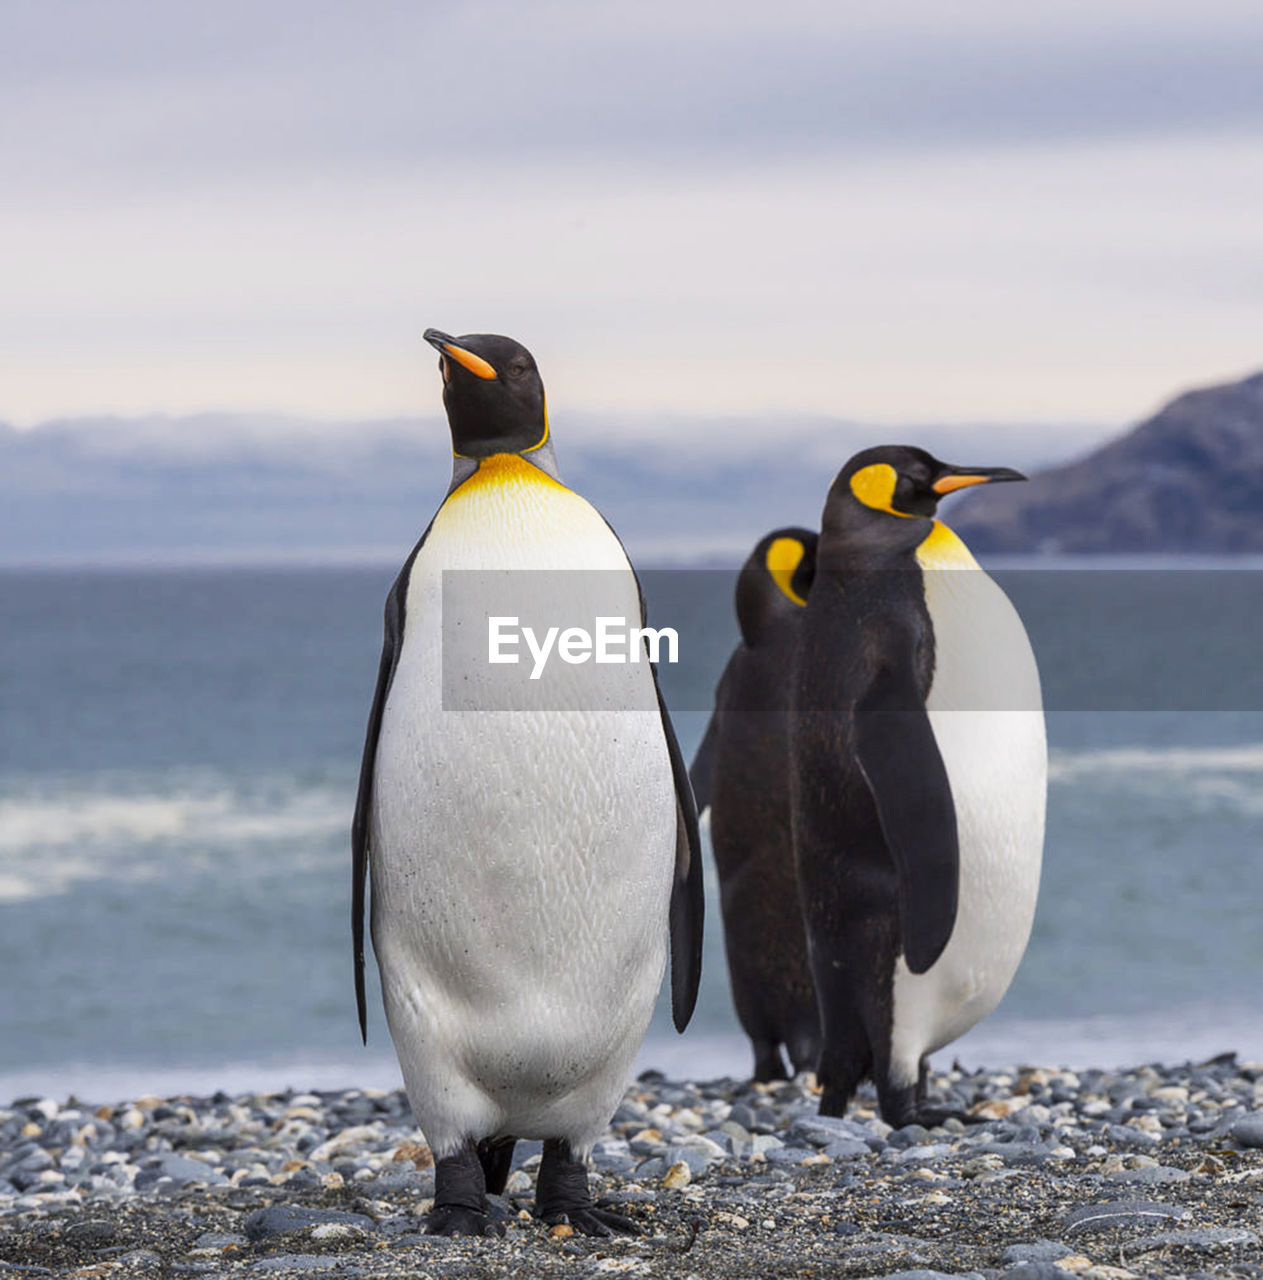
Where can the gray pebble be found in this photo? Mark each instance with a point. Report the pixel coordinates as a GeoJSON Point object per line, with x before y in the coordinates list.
{"type": "Point", "coordinates": [1121, 1213]}
{"type": "Point", "coordinates": [786, 1155]}
{"type": "Point", "coordinates": [297, 1262]}
{"type": "Point", "coordinates": [1151, 1176]}
{"type": "Point", "coordinates": [184, 1169]}
{"type": "Point", "coordinates": [280, 1219]}
{"type": "Point", "coordinates": [419, 1182]}
{"type": "Point", "coordinates": [697, 1160]}
{"type": "Point", "coordinates": [926, 1154]}
{"type": "Point", "coordinates": [847, 1149]}
{"type": "Point", "coordinates": [1248, 1131]}
{"type": "Point", "coordinates": [1206, 1240]}
{"type": "Point", "coordinates": [922, 1273]}
{"type": "Point", "coordinates": [1037, 1251]}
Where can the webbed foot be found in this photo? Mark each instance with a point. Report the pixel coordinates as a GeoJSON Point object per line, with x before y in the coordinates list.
{"type": "Point", "coordinates": [594, 1222]}
{"type": "Point", "coordinates": [460, 1198]}
{"type": "Point", "coordinates": [562, 1195]}
{"type": "Point", "coordinates": [457, 1220]}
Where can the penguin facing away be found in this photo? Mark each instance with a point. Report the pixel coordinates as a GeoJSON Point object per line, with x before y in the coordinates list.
{"type": "Point", "coordinates": [919, 773]}
{"type": "Point", "coordinates": [741, 772]}
{"type": "Point", "coordinates": [524, 864]}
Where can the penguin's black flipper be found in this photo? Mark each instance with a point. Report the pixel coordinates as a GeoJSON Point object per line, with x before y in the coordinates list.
{"type": "Point", "coordinates": [688, 904]}
{"type": "Point", "coordinates": [391, 642]}
{"type": "Point", "coordinates": [702, 770]}
{"type": "Point", "coordinates": [907, 778]}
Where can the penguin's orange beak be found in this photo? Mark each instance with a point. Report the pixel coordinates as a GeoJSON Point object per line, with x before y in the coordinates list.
{"type": "Point", "coordinates": [446, 347]}
{"type": "Point", "coordinates": [963, 477]}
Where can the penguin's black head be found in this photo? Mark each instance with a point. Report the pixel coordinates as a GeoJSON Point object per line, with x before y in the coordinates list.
{"type": "Point", "coordinates": [492, 392]}
{"type": "Point", "coordinates": [774, 581]}
{"type": "Point", "coordinates": [904, 481]}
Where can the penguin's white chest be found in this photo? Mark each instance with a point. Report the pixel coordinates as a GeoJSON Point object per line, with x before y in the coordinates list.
{"type": "Point", "coordinates": [521, 859]}
{"type": "Point", "coordinates": [986, 712]}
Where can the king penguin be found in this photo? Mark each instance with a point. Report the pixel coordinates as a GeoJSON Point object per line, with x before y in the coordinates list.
{"type": "Point", "coordinates": [741, 773]}
{"type": "Point", "coordinates": [526, 867]}
{"type": "Point", "coordinates": [919, 773]}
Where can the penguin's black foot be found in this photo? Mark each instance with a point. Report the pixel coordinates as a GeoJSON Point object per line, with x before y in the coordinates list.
{"type": "Point", "coordinates": [594, 1222]}
{"type": "Point", "coordinates": [768, 1063]}
{"type": "Point", "coordinates": [562, 1196]}
{"type": "Point", "coordinates": [904, 1109]}
{"type": "Point", "coordinates": [460, 1198]}
{"type": "Point", "coordinates": [457, 1220]}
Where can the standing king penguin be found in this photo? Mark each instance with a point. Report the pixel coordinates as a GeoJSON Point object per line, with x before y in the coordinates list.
{"type": "Point", "coordinates": [741, 772]}
{"type": "Point", "coordinates": [524, 864]}
{"type": "Point", "coordinates": [919, 777]}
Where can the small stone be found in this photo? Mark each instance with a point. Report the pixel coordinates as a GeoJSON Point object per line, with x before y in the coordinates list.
{"type": "Point", "coordinates": [1248, 1131]}
{"type": "Point", "coordinates": [94, 1232]}
{"type": "Point", "coordinates": [280, 1219]}
{"type": "Point", "coordinates": [1151, 1176]}
{"type": "Point", "coordinates": [418, 1152]}
{"type": "Point", "coordinates": [1205, 1240]}
{"type": "Point", "coordinates": [1212, 1166]}
{"type": "Point", "coordinates": [1121, 1213]}
{"type": "Point", "coordinates": [562, 1231]}
{"type": "Point", "coordinates": [1037, 1251]}
{"type": "Point", "coordinates": [847, 1149]}
{"type": "Point", "coordinates": [999, 1108]}
{"type": "Point", "coordinates": [300, 1262]}
{"type": "Point", "coordinates": [677, 1177]}
{"type": "Point", "coordinates": [337, 1231]}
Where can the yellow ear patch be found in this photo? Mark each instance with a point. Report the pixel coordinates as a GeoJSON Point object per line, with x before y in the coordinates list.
{"type": "Point", "coordinates": [782, 559]}
{"type": "Point", "coordinates": [467, 360]}
{"type": "Point", "coordinates": [949, 484]}
{"type": "Point", "coordinates": [875, 487]}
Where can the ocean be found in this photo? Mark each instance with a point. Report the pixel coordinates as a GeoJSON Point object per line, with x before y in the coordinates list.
{"type": "Point", "coordinates": [178, 759]}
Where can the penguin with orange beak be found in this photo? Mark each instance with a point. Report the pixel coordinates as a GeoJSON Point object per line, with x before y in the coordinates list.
{"type": "Point", "coordinates": [527, 865]}
{"type": "Point", "coordinates": [918, 775]}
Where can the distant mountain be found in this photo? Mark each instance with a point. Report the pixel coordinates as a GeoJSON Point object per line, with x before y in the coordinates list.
{"type": "Point", "coordinates": [234, 487]}
{"type": "Point", "coordinates": [1190, 479]}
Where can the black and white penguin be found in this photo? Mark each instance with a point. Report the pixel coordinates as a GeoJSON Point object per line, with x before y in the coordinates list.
{"type": "Point", "coordinates": [919, 777]}
{"type": "Point", "coordinates": [524, 863]}
{"type": "Point", "coordinates": [741, 772]}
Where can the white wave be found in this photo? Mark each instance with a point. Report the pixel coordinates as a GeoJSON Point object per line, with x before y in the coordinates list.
{"type": "Point", "coordinates": [1191, 1033]}
{"type": "Point", "coordinates": [1100, 1040]}
{"type": "Point", "coordinates": [54, 835]}
{"type": "Point", "coordinates": [1247, 759]}
{"type": "Point", "coordinates": [94, 1083]}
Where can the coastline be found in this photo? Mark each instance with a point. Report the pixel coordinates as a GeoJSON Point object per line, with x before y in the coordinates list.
{"type": "Point", "coordinates": [1156, 1170]}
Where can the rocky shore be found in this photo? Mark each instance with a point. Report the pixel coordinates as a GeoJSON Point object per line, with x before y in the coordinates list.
{"type": "Point", "coordinates": [1156, 1171]}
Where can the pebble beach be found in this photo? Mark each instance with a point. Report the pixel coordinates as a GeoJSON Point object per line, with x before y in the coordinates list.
{"type": "Point", "coordinates": [1155, 1171]}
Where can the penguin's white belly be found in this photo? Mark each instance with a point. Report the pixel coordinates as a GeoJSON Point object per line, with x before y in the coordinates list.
{"type": "Point", "coordinates": [522, 861]}
{"type": "Point", "coordinates": [986, 713]}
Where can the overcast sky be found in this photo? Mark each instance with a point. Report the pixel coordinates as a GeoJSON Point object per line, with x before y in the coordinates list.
{"type": "Point", "coordinates": [896, 211]}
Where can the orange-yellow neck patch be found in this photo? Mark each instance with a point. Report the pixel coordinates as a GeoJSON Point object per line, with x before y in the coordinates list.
{"type": "Point", "coordinates": [782, 559]}
{"type": "Point", "coordinates": [505, 471]}
{"type": "Point", "coordinates": [943, 549]}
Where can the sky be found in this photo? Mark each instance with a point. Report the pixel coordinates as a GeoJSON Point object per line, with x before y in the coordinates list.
{"type": "Point", "coordinates": [980, 212]}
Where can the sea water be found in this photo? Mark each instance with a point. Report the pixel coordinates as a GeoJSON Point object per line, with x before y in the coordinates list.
{"type": "Point", "coordinates": [179, 752]}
